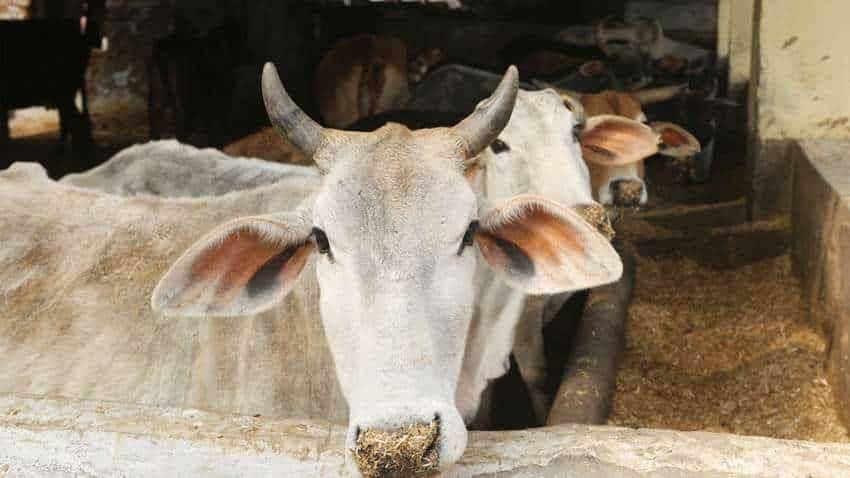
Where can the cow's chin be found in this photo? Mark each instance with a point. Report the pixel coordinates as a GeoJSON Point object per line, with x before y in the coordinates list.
{"type": "Point", "coordinates": [427, 427]}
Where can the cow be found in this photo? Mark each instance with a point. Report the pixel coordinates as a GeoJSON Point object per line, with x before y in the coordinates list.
{"type": "Point", "coordinates": [191, 77]}
{"type": "Point", "coordinates": [266, 144]}
{"type": "Point", "coordinates": [540, 152]}
{"type": "Point", "coordinates": [361, 76]}
{"type": "Point", "coordinates": [391, 233]}
{"type": "Point", "coordinates": [44, 63]}
{"type": "Point", "coordinates": [365, 75]}
{"type": "Point", "coordinates": [170, 169]}
{"type": "Point", "coordinates": [636, 55]}
{"type": "Point", "coordinates": [337, 101]}
{"type": "Point", "coordinates": [621, 182]}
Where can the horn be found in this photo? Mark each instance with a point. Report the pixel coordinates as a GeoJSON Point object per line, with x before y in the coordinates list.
{"type": "Point", "coordinates": [656, 95]}
{"type": "Point", "coordinates": [292, 123]}
{"type": "Point", "coordinates": [480, 128]}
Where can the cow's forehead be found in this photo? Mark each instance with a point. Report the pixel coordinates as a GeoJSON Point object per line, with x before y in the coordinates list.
{"type": "Point", "coordinates": [400, 182]}
{"type": "Point", "coordinates": [538, 111]}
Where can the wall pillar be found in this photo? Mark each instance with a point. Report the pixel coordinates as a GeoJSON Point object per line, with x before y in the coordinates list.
{"type": "Point", "coordinates": [799, 75]}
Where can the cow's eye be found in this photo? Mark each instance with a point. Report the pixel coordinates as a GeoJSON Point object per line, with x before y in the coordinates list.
{"type": "Point", "coordinates": [577, 129]}
{"type": "Point", "coordinates": [499, 146]}
{"type": "Point", "coordinates": [468, 237]}
{"type": "Point", "coordinates": [321, 241]}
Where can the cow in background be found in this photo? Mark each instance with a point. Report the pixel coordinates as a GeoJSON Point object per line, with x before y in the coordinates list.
{"type": "Point", "coordinates": [622, 182]}
{"type": "Point", "coordinates": [191, 75]}
{"type": "Point", "coordinates": [364, 75]}
{"type": "Point", "coordinates": [43, 63]}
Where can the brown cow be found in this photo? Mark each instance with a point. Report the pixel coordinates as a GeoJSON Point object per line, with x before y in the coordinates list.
{"type": "Point", "coordinates": [622, 183]}
{"type": "Point", "coordinates": [365, 75]}
{"type": "Point", "coordinates": [361, 76]}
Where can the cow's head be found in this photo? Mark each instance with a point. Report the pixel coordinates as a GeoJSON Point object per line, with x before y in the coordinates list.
{"type": "Point", "coordinates": [394, 233]}
{"type": "Point", "coordinates": [616, 141]}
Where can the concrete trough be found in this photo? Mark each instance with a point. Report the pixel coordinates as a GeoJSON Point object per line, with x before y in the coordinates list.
{"type": "Point", "coordinates": [820, 252]}
{"type": "Point", "coordinates": [54, 437]}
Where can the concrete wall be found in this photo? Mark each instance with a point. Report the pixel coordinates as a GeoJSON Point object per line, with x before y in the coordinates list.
{"type": "Point", "coordinates": [54, 437]}
{"type": "Point", "coordinates": [798, 89]}
{"type": "Point", "coordinates": [734, 42]}
{"type": "Point", "coordinates": [821, 258]}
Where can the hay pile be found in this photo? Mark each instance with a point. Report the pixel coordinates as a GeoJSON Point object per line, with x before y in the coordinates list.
{"type": "Point", "coordinates": [410, 451]}
{"type": "Point", "coordinates": [725, 351]}
{"type": "Point", "coordinates": [598, 217]}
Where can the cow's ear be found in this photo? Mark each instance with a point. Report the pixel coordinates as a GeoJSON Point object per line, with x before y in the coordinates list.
{"type": "Point", "coordinates": [243, 267]}
{"type": "Point", "coordinates": [675, 141]}
{"type": "Point", "coordinates": [541, 247]}
{"type": "Point", "coordinates": [610, 140]}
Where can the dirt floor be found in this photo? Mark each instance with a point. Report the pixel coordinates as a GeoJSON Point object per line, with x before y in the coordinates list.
{"type": "Point", "coordinates": [717, 340]}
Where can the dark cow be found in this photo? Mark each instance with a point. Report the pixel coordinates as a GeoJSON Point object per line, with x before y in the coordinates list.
{"type": "Point", "coordinates": [43, 62]}
{"type": "Point", "coordinates": [191, 78]}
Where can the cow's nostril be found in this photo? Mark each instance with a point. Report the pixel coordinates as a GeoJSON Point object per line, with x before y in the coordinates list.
{"type": "Point", "coordinates": [408, 451]}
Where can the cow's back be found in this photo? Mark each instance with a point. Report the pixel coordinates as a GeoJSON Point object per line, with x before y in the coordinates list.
{"type": "Point", "coordinates": [77, 269]}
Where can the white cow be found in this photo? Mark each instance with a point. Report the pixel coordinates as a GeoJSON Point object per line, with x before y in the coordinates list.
{"type": "Point", "coordinates": [390, 233]}
{"type": "Point", "coordinates": [540, 153]}
{"type": "Point", "coordinates": [168, 168]}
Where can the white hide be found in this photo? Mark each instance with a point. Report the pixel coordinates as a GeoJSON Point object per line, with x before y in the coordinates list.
{"type": "Point", "coordinates": [169, 168]}
{"type": "Point", "coordinates": [544, 159]}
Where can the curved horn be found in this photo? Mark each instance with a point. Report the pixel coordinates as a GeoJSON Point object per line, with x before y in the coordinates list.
{"type": "Point", "coordinates": [287, 117]}
{"type": "Point", "coordinates": [480, 128]}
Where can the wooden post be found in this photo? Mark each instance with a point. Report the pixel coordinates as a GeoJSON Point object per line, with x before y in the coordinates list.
{"type": "Point", "coordinates": [587, 390]}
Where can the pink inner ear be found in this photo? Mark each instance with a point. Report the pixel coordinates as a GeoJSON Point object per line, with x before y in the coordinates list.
{"type": "Point", "coordinates": [541, 247]}
{"type": "Point", "coordinates": [614, 141]}
{"type": "Point", "coordinates": [240, 266]}
{"type": "Point", "coordinates": [537, 246]}
{"type": "Point", "coordinates": [676, 141]}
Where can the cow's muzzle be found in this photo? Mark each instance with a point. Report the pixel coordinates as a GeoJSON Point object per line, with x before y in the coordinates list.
{"type": "Point", "coordinates": [400, 452]}
{"type": "Point", "coordinates": [627, 192]}
{"type": "Point", "coordinates": [401, 439]}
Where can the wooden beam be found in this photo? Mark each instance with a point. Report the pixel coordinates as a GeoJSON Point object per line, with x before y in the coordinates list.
{"type": "Point", "coordinates": [587, 389]}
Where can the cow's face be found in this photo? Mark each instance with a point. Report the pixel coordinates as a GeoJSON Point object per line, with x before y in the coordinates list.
{"type": "Point", "coordinates": [539, 151]}
{"type": "Point", "coordinates": [396, 232]}
{"type": "Point", "coordinates": [619, 179]}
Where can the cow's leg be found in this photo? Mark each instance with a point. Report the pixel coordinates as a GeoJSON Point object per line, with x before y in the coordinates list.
{"type": "Point", "coordinates": [484, 419]}
{"type": "Point", "coordinates": [530, 357]}
{"type": "Point", "coordinates": [81, 140]}
{"type": "Point", "coordinates": [67, 117]}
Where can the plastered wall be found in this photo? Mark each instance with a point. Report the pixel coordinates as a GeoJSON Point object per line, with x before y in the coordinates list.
{"type": "Point", "coordinates": [800, 78]}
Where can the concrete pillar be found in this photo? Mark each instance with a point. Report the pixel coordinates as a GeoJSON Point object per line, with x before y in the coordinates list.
{"type": "Point", "coordinates": [734, 43]}
{"type": "Point", "coordinates": [799, 77]}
